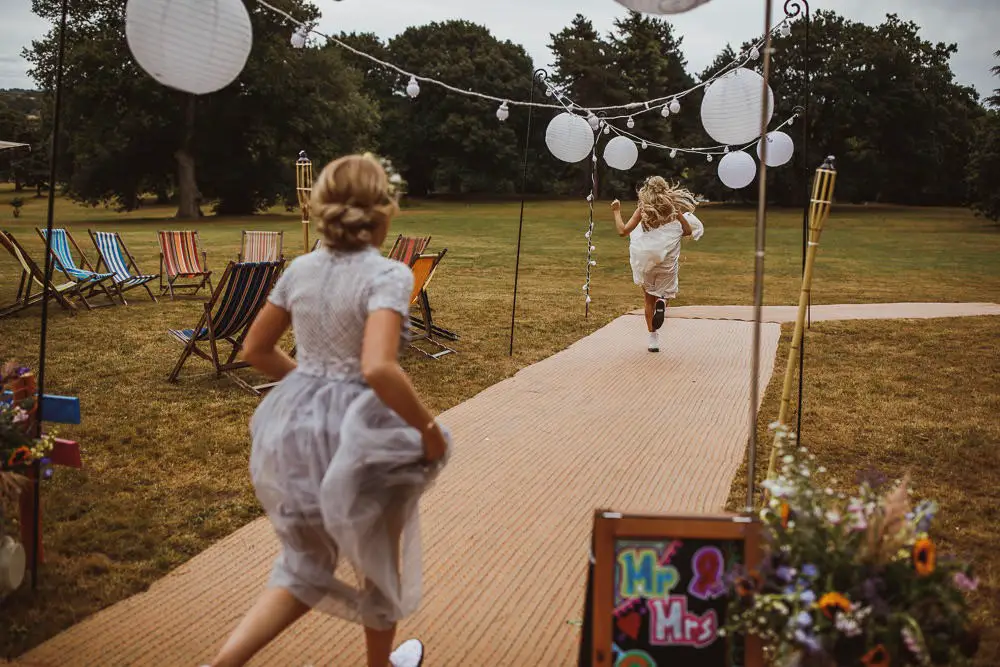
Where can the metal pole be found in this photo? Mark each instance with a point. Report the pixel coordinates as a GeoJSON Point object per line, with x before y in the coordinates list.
{"type": "Point", "coordinates": [792, 9]}
{"type": "Point", "coordinates": [53, 170]}
{"type": "Point", "coordinates": [758, 279]}
{"type": "Point", "coordinates": [539, 75]}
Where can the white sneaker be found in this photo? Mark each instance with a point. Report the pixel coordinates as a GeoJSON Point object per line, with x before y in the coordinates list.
{"type": "Point", "coordinates": [654, 342]}
{"type": "Point", "coordinates": [408, 654]}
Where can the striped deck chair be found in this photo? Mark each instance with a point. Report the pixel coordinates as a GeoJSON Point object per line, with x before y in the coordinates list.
{"type": "Point", "coordinates": [228, 315]}
{"type": "Point", "coordinates": [406, 249]}
{"type": "Point", "coordinates": [90, 281]}
{"type": "Point", "coordinates": [423, 269]}
{"type": "Point", "coordinates": [113, 254]}
{"type": "Point", "coordinates": [181, 257]}
{"type": "Point", "coordinates": [262, 246]}
{"type": "Point", "coordinates": [31, 287]}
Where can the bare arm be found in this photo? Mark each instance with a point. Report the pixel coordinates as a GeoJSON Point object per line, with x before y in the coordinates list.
{"type": "Point", "coordinates": [624, 229]}
{"type": "Point", "coordinates": [684, 225]}
{"type": "Point", "coordinates": [381, 370]}
{"type": "Point", "coordinates": [260, 348]}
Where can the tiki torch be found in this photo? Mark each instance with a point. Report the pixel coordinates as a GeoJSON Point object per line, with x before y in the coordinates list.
{"type": "Point", "coordinates": [819, 210]}
{"type": "Point", "coordinates": [303, 188]}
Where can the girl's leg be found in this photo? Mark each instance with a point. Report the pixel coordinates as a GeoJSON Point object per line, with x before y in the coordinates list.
{"type": "Point", "coordinates": [650, 306]}
{"type": "Point", "coordinates": [379, 644]}
{"type": "Point", "coordinates": [274, 611]}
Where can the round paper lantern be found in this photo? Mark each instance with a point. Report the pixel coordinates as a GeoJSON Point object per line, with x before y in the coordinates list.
{"type": "Point", "coordinates": [661, 6]}
{"type": "Point", "coordinates": [730, 110]}
{"type": "Point", "coordinates": [569, 137]}
{"type": "Point", "coordinates": [737, 169]}
{"type": "Point", "coordinates": [198, 46]}
{"type": "Point", "coordinates": [779, 148]}
{"type": "Point", "coordinates": [621, 153]}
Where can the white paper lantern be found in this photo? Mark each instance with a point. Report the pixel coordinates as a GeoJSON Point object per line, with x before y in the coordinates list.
{"type": "Point", "coordinates": [730, 110]}
{"type": "Point", "coordinates": [737, 170]}
{"type": "Point", "coordinates": [779, 148]}
{"type": "Point", "coordinates": [569, 137]}
{"type": "Point", "coordinates": [621, 153]}
{"type": "Point", "coordinates": [197, 46]}
{"type": "Point", "coordinates": [661, 6]}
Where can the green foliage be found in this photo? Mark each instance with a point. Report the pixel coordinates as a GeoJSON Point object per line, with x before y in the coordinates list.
{"type": "Point", "coordinates": [984, 163]}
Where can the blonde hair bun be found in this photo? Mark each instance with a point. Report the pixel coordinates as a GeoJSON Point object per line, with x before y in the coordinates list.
{"type": "Point", "coordinates": [352, 202]}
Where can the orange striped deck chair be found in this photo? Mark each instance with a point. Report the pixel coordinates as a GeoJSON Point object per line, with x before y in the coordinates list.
{"type": "Point", "coordinates": [262, 246]}
{"type": "Point", "coordinates": [181, 258]}
{"type": "Point", "coordinates": [406, 249]}
{"type": "Point", "coordinates": [423, 268]}
{"type": "Point", "coordinates": [228, 315]}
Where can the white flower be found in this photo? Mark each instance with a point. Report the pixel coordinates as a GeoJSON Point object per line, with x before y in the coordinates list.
{"type": "Point", "coordinates": [833, 517]}
{"type": "Point", "coordinates": [821, 469]}
{"type": "Point", "coordinates": [789, 459]}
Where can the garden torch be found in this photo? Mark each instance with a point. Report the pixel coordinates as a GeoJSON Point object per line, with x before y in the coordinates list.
{"type": "Point", "coordinates": [303, 188]}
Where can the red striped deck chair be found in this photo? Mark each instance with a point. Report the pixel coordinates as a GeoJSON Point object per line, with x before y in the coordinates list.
{"type": "Point", "coordinates": [423, 269]}
{"type": "Point", "coordinates": [181, 258]}
{"type": "Point", "coordinates": [406, 249]}
{"type": "Point", "coordinates": [31, 286]}
{"type": "Point", "coordinates": [262, 246]}
{"type": "Point", "coordinates": [228, 315]}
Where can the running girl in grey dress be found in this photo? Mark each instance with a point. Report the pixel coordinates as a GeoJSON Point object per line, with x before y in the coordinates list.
{"type": "Point", "coordinates": [342, 447]}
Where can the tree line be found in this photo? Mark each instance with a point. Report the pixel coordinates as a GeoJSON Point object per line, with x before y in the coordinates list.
{"type": "Point", "coordinates": [883, 100]}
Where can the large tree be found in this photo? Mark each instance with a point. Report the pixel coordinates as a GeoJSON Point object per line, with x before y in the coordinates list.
{"type": "Point", "coordinates": [126, 135]}
{"type": "Point", "coordinates": [984, 164]}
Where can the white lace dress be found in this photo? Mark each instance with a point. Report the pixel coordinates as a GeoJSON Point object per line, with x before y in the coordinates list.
{"type": "Point", "coordinates": [655, 255]}
{"type": "Point", "coordinates": [336, 470]}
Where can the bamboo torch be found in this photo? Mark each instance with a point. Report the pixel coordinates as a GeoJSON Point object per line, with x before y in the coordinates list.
{"type": "Point", "coordinates": [303, 188]}
{"type": "Point", "coordinates": [819, 210]}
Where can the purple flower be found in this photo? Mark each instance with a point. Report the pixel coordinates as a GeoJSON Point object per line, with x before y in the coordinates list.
{"type": "Point", "coordinates": [964, 582]}
{"type": "Point", "coordinates": [808, 597]}
{"type": "Point", "coordinates": [807, 641]}
{"type": "Point", "coordinates": [785, 573]}
{"type": "Point", "coordinates": [804, 619]}
{"type": "Point", "coordinates": [810, 571]}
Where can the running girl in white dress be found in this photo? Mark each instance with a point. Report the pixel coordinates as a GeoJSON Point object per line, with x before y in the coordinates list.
{"type": "Point", "coordinates": [665, 214]}
{"type": "Point", "coordinates": [342, 447]}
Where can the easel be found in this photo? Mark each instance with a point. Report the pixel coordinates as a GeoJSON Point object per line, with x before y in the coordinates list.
{"type": "Point", "coordinates": [303, 188]}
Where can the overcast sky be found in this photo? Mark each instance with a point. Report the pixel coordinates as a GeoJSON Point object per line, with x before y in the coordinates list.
{"type": "Point", "coordinates": [972, 24]}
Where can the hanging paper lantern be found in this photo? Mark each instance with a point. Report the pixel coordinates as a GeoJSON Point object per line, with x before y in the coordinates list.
{"type": "Point", "coordinates": [569, 137]}
{"type": "Point", "coordinates": [621, 153]}
{"type": "Point", "coordinates": [197, 46]}
{"type": "Point", "coordinates": [730, 110]}
{"type": "Point", "coordinates": [737, 170]}
{"type": "Point", "coordinates": [661, 6]}
{"type": "Point", "coordinates": [779, 148]}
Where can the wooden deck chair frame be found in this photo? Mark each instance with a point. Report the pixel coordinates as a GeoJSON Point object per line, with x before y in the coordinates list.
{"type": "Point", "coordinates": [201, 278]}
{"type": "Point", "coordinates": [424, 267]}
{"type": "Point", "coordinates": [406, 249]}
{"type": "Point", "coordinates": [33, 276]}
{"type": "Point", "coordinates": [253, 252]}
{"type": "Point", "coordinates": [91, 286]}
{"type": "Point", "coordinates": [227, 318]}
{"type": "Point", "coordinates": [127, 274]}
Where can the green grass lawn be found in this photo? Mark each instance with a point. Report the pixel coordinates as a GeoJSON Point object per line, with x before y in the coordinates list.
{"type": "Point", "coordinates": [166, 464]}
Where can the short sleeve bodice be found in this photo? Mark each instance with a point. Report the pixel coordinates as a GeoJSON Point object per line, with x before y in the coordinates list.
{"type": "Point", "coordinates": [330, 295]}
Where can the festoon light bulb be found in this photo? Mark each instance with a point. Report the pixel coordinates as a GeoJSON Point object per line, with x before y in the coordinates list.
{"type": "Point", "coordinates": [710, 158]}
{"type": "Point", "coordinates": [595, 122]}
{"type": "Point", "coordinates": [644, 145]}
{"type": "Point", "coordinates": [630, 123]}
{"type": "Point", "coordinates": [675, 106]}
{"type": "Point", "coordinates": [754, 53]}
{"type": "Point", "coordinates": [413, 88]}
{"type": "Point", "coordinates": [665, 110]}
{"type": "Point", "coordinates": [299, 38]}
{"type": "Point", "coordinates": [673, 153]}
{"type": "Point", "coordinates": [503, 112]}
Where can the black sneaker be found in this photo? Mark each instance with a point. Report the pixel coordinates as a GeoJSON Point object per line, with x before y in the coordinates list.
{"type": "Point", "coordinates": [659, 313]}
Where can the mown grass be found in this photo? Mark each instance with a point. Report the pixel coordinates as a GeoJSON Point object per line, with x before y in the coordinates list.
{"type": "Point", "coordinates": [166, 465]}
{"type": "Point", "coordinates": [916, 396]}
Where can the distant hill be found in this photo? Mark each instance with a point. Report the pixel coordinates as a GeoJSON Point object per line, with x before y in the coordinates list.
{"type": "Point", "coordinates": [28, 102]}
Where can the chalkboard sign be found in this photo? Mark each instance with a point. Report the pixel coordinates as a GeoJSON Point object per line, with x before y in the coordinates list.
{"type": "Point", "coordinates": [657, 594]}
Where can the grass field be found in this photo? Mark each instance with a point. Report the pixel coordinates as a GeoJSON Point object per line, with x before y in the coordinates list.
{"type": "Point", "coordinates": [166, 465]}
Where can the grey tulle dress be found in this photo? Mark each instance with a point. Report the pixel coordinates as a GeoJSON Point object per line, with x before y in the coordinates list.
{"type": "Point", "coordinates": [336, 470]}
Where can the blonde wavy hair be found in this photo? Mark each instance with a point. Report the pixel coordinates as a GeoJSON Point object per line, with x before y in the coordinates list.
{"type": "Point", "coordinates": [661, 202]}
{"type": "Point", "coordinates": [352, 203]}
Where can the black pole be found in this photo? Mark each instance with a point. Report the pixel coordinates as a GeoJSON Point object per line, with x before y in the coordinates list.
{"type": "Point", "coordinates": [540, 75]}
{"type": "Point", "coordinates": [53, 168]}
{"type": "Point", "coordinates": [792, 9]}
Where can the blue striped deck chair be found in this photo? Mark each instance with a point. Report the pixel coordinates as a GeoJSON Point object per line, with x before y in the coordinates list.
{"type": "Point", "coordinates": [31, 287]}
{"type": "Point", "coordinates": [230, 311]}
{"type": "Point", "coordinates": [89, 281]}
{"type": "Point", "coordinates": [113, 253]}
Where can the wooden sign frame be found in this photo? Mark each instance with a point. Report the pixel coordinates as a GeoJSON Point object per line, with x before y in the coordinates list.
{"type": "Point", "coordinates": [610, 527]}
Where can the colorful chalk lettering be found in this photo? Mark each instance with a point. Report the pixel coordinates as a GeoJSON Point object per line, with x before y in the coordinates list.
{"type": "Point", "coordinates": [671, 624]}
{"type": "Point", "coordinates": [707, 564]}
{"type": "Point", "coordinates": [641, 574]}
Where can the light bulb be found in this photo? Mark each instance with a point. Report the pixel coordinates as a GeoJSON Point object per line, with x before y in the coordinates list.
{"type": "Point", "coordinates": [413, 88]}
{"type": "Point", "coordinates": [593, 248]}
{"type": "Point", "coordinates": [595, 122]}
{"type": "Point", "coordinates": [548, 91]}
{"type": "Point", "coordinates": [754, 53]}
{"type": "Point", "coordinates": [587, 235]}
{"type": "Point", "coordinates": [586, 287]}
{"type": "Point", "coordinates": [593, 158]}
{"type": "Point", "coordinates": [593, 262]}
{"type": "Point", "coordinates": [675, 106]}
{"type": "Point", "coordinates": [590, 197]}
{"type": "Point", "coordinates": [630, 123]}
{"type": "Point", "coordinates": [503, 112]}
{"type": "Point", "coordinates": [791, 121]}
{"type": "Point", "coordinates": [298, 39]}
{"type": "Point", "coordinates": [673, 153]}
{"type": "Point", "coordinates": [644, 144]}
{"type": "Point", "coordinates": [607, 129]}
{"type": "Point", "coordinates": [710, 158]}
{"type": "Point", "coordinates": [727, 149]}
{"type": "Point", "coordinates": [588, 299]}
{"type": "Point", "coordinates": [665, 111]}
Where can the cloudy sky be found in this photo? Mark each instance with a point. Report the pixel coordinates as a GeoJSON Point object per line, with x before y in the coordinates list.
{"type": "Point", "coordinates": [972, 24]}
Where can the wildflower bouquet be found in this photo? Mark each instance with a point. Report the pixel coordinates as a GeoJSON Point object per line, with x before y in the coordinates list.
{"type": "Point", "coordinates": [19, 448]}
{"type": "Point", "coordinates": [851, 581]}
